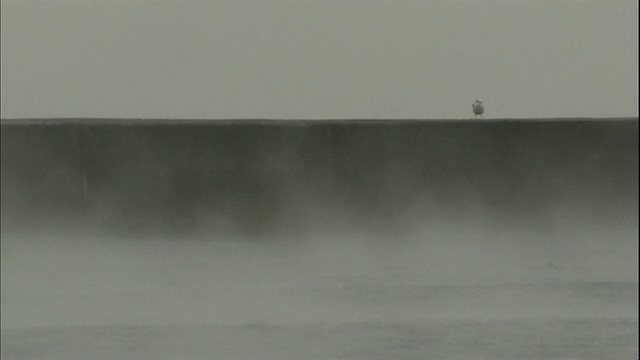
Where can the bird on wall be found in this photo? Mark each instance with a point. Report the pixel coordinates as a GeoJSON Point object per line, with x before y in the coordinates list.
{"type": "Point", "coordinates": [478, 108]}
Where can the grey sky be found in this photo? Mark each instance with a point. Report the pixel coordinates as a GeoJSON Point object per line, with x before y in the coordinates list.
{"type": "Point", "coordinates": [319, 59]}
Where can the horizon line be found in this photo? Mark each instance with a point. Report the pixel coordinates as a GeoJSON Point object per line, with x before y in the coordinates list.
{"type": "Point", "coordinates": [355, 119]}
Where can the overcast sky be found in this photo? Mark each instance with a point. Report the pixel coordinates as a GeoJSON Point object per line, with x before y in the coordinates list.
{"type": "Point", "coordinates": [319, 59]}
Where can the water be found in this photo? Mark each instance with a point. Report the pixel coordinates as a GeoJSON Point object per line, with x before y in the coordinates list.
{"type": "Point", "coordinates": [309, 241]}
{"type": "Point", "coordinates": [453, 340]}
{"type": "Point", "coordinates": [242, 301]}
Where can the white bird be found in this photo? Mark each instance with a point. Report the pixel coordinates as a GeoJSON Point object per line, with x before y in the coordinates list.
{"type": "Point", "coordinates": [478, 108]}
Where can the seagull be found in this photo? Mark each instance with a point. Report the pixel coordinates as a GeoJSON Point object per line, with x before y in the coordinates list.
{"type": "Point", "coordinates": [478, 108]}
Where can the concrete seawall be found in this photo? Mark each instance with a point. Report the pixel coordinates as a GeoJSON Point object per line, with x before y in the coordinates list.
{"type": "Point", "coordinates": [263, 178]}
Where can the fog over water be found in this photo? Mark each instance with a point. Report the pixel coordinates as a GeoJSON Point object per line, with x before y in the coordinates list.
{"type": "Point", "coordinates": [326, 239]}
